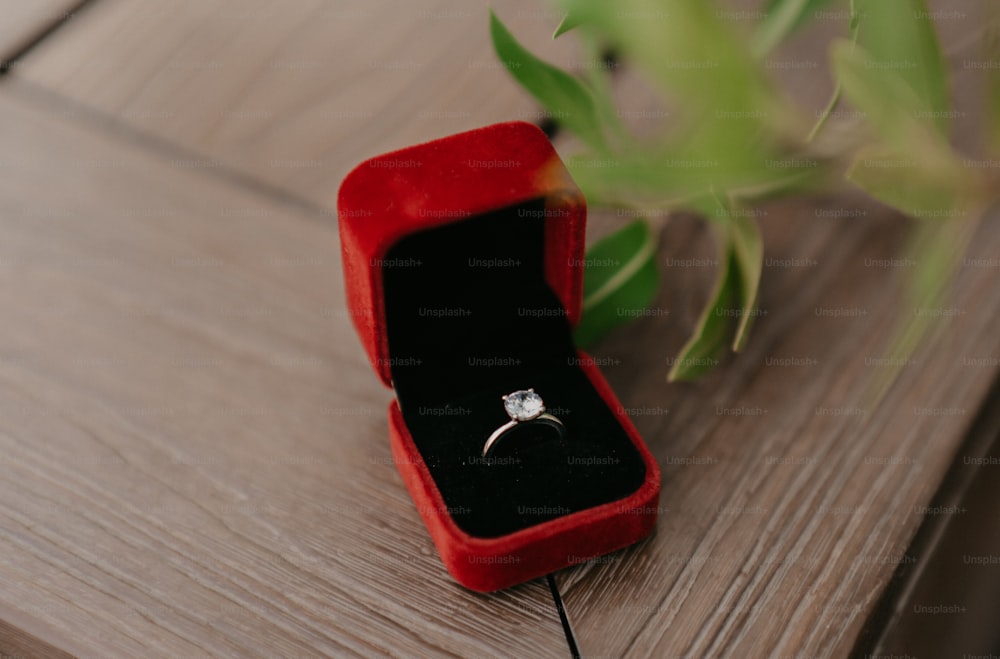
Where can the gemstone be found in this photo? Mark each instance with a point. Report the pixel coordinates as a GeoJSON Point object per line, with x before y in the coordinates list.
{"type": "Point", "coordinates": [523, 405]}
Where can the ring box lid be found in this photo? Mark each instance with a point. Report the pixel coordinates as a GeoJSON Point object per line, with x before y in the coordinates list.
{"type": "Point", "coordinates": [466, 175]}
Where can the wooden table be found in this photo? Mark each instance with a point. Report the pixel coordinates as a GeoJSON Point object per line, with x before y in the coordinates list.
{"type": "Point", "coordinates": [193, 449]}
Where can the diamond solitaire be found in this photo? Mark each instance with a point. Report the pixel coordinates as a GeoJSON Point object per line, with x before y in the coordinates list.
{"type": "Point", "coordinates": [523, 406]}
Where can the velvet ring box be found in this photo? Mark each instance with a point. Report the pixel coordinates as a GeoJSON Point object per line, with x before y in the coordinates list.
{"type": "Point", "coordinates": [463, 262]}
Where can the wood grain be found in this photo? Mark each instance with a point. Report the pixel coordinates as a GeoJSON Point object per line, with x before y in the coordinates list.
{"type": "Point", "coordinates": [193, 449]}
{"type": "Point", "coordinates": [25, 21]}
{"type": "Point", "coordinates": [788, 500]}
{"type": "Point", "coordinates": [295, 94]}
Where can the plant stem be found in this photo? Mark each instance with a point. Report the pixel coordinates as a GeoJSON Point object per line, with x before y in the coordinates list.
{"type": "Point", "coordinates": [777, 30]}
{"type": "Point", "coordinates": [855, 25]}
{"type": "Point", "coordinates": [601, 89]}
{"type": "Point", "coordinates": [834, 100]}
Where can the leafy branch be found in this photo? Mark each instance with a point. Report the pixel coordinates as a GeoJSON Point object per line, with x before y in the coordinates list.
{"type": "Point", "coordinates": [733, 140]}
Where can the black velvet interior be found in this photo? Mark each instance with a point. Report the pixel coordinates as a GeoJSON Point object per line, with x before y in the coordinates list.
{"type": "Point", "coordinates": [470, 317]}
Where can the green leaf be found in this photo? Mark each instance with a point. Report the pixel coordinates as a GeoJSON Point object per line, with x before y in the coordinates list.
{"type": "Point", "coordinates": [620, 281]}
{"type": "Point", "coordinates": [726, 122]}
{"type": "Point", "coordinates": [748, 253]}
{"type": "Point", "coordinates": [568, 22]}
{"type": "Point", "coordinates": [889, 104]}
{"type": "Point", "coordinates": [727, 318]}
{"type": "Point", "coordinates": [679, 181]}
{"type": "Point", "coordinates": [936, 249]}
{"type": "Point", "coordinates": [782, 17]}
{"type": "Point", "coordinates": [913, 167]}
{"type": "Point", "coordinates": [900, 36]}
{"type": "Point", "coordinates": [709, 341]}
{"type": "Point", "coordinates": [683, 45]}
{"type": "Point", "coordinates": [558, 92]}
{"type": "Point", "coordinates": [918, 189]}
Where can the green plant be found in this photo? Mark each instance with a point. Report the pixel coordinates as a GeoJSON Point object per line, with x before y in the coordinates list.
{"type": "Point", "coordinates": [732, 140]}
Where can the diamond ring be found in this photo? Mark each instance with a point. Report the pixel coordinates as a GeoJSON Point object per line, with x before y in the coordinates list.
{"type": "Point", "coordinates": [522, 406]}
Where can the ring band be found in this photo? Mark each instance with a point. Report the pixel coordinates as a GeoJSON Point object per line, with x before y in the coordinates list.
{"type": "Point", "coordinates": [522, 406]}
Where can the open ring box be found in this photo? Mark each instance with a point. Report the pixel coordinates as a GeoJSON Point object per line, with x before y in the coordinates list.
{"type": "Point", "coordinates": [463, 262]}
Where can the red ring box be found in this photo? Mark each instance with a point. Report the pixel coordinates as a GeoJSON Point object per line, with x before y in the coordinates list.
{"type": "Point", "coordinates": [463, 262]}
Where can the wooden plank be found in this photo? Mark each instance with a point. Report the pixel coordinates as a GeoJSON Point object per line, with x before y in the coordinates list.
{"type": "Point", "coordinates": [295, 93]}
{"type": "Point", "coordinates": [952, 570]}
{"type": "Point", "coordinates": [729, 569]}
{"type": "Point", "coordinates": [193, 450]}
{"type": "Point", "coordinates": [23, 22]}
{"type": "Point", "coordinates": [18, 642]}
{"type": "Point", "coordinates": [788, 500]}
